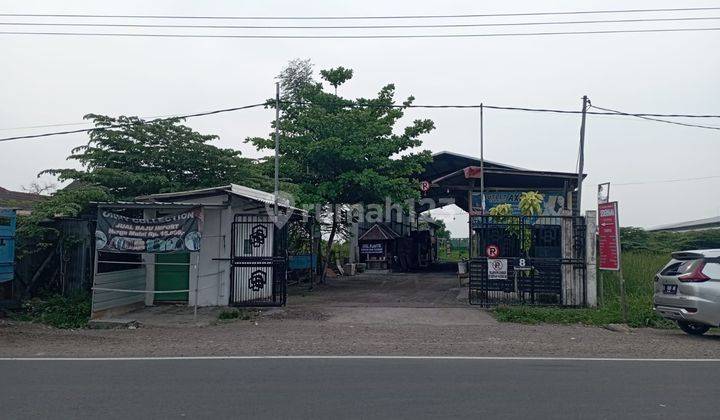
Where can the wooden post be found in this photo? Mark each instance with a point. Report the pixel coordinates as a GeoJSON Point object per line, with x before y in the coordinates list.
{"type": "Point", "coordinates": [623, 298]}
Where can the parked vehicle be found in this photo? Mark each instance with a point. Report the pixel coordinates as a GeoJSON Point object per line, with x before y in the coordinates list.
{"type": "Point", "coordinates": [687, 290]}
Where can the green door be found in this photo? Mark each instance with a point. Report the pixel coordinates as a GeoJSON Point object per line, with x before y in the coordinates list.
{"type": "Point", "coordinates": [172, 277]}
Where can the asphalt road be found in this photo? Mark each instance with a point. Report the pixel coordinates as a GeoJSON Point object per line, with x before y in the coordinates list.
{"type": "Point", "coordinates": [340, 388]}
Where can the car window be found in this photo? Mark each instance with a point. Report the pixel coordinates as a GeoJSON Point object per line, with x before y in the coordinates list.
{"type": "Point", "coordinates": [679, 267]}
{"type": "Point", "coordinates": [712, 270]}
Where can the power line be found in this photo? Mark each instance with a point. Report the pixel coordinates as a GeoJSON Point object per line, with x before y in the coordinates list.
{"type": "Point", "coordinates": [84, 130]}
{"type": "Point", "coordinates": [515, 108]}
{"type": "Point", "coordinates": [666, 181]}
{"type": "Point", "coordinates": [454, 16]}
{"type": "Point", "coordinates": [486, 35]}
{"type": "Point", "coordinates": [645, 117]}
{"type": "Point", "coordinates": [446, 25]}
{"type": "Point", "coordinates": [28, 127]}
{"type": "Point", "coordinates": [503, 108]}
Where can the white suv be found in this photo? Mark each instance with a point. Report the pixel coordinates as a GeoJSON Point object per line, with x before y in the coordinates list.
{"type": "Point", "coordinates": [687, 290]}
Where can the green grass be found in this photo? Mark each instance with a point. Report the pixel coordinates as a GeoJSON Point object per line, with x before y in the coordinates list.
{"type": "Point", "coordinates": [456, 254]}
{"type": "Point", "coordinates": [241, 314]}
{"type": "Point", "coordinates": [639, 269]}
{"type": "Point", "coordinates": [57, 311]}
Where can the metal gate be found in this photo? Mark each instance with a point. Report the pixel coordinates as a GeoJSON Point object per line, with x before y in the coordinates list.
{"type": "Point", "coordinates": [258, 275]}
{"type": "Point", "coordinates": [530, 261]}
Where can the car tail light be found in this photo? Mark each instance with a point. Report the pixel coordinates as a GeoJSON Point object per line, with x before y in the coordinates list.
{"type": "Point", "coordinates": [696, 275]}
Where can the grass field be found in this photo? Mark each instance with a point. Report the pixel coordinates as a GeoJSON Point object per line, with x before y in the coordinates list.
{"type": "Point", "coordinates": [456, 254]}
{"type": "Point", "coordinates": [639, 269]}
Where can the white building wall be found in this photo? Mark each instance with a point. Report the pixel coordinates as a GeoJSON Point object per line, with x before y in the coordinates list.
{"type": "Point", "coordinates": [209, 270]}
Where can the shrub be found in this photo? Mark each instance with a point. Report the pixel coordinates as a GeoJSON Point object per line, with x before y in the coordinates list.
{"type": "Point", "coordinates": [242, 314]}
{"type": "Point", "coordinates": [58, 311]}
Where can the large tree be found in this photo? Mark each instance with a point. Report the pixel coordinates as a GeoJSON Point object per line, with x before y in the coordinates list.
{"type": "Point", "coordinates": [341, 151]}
{"type": "Point", "coordinates": [130, 157]}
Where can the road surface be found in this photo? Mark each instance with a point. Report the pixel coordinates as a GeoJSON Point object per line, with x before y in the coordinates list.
{"type": "Point", "coordinates": [339, 388]}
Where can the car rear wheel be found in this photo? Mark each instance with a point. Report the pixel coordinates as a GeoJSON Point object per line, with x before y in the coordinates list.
{"type": "Point", "coordinates": [693, 328]}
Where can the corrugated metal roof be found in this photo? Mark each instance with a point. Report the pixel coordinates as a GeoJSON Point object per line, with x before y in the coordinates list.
{"type": "Point", "coordinates": [235, 189]}
{"type": "Point", "coordinates": [700, 223]}
{"type": "Point", "coordinates": [475, 159]}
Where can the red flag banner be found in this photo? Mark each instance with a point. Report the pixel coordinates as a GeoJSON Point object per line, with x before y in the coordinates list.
{"type": "Point", "coordinates": [472, 172]}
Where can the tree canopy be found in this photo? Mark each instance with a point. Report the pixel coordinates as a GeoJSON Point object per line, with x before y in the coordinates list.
{"type": "Point", "coordinates": [130, 157]}
{"type": "Point", "coordinates": [345, 151]}
{"type": "Point", "coordinates": [340, 151]}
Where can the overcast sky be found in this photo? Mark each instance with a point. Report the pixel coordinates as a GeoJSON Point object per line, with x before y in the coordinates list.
{"type": "Point", "coordinates": [52, 80]}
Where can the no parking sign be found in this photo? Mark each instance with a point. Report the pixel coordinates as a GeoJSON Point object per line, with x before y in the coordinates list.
{"type": "Point", "coordinates": [492, 251]}
{"type": "Point", "coordinates": [497, 269]}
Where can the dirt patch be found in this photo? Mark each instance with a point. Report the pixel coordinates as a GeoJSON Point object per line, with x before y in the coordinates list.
{"type": "Point", "coordinates": [296, 313]}
{"type": "Point", "coordinates": [397, 315]}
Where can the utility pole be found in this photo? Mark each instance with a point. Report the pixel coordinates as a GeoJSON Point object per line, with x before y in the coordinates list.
{"type": "Point", "coordinates": [581, 158]}
{"type": "Point", "coordinates": [277, 150]}
{"type": "Point", "coordinates": [482, 165]}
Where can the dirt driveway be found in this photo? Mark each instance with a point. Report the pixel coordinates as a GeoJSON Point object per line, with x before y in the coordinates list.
{"type": "Point", "coordinates": [389, 299]}
{"type": "Point", "coordinates": [368, 315]}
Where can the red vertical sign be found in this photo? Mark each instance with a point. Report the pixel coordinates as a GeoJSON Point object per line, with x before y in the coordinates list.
{"type": "Point", "coordinates": [609, 230]}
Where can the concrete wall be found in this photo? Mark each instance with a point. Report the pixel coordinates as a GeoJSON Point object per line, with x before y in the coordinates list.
{"type": "Point", "coordinates": [591, 257]}
{"type": "Point", "coordinates": [209, 268]}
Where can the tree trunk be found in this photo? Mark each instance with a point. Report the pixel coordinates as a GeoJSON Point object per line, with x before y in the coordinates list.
{"type": "Point", "coordinates": [328, 249]}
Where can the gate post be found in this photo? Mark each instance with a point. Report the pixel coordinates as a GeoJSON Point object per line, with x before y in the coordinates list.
{"type": "Point", "coordinates": [569, 284]}
{"type": "Point", "coordinates": [591, 258]}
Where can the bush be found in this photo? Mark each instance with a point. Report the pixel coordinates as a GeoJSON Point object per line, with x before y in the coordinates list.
{"type": "Point", "coordinates": [242, 314]}
{"type": "Point", "coordinates": [638, 239]}
{"type": "Point", "coordinates": [58, 311]}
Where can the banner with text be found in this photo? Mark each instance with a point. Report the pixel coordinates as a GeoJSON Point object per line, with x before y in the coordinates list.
{"type": "Point", "coordinates": [553, 202]}
{"type": "Point", "coordinates": [178, 232]}
{"type": "Point", "coordinates": [609, 232]}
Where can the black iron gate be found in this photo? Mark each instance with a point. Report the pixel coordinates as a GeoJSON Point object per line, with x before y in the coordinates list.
{"type": "Point", "coordinates": [516, 259]}
{"type": "Point", "coordinates": [258, 263]}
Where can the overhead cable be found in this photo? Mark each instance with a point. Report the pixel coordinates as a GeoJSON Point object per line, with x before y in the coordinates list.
{"type": "Point", "coordinates": [83, 130]}
{"type": "Point", "coordinates": [646, 117]}
{"type": "Point", "coordinates": [603, 111]}
{"type": "Point", "coordinates": [453, 16]}
{"type": "Point", "coordinates": [375, 36]}
{"type": "Point", "coordinates": [414, 26]}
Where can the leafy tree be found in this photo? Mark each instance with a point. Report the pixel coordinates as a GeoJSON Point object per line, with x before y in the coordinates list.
{"type": "Point", "coordinates": [440, 229]}
{"type": "Point", "coordinates": [530, 205]}
{"type": "Point", "coordinates": [34, 236]}
{"type": "Point", "coordinates": [638, 239]}
{"type": "Point", "coordinates": [130, 157]}
{"type": "Point", "coordinates": [344, 151]}
{"type": "Point", "coordinates": [294, 77]}
{"type": "Point", "coordinates": [337, 76]}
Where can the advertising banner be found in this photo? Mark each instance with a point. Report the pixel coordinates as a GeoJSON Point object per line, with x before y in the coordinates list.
{"type": "Point", "coordinates": [609, 233]}
{"type": "Point", "coordinates": [178, 232]}
{"type": "Point", "coordinates": [553, 202]}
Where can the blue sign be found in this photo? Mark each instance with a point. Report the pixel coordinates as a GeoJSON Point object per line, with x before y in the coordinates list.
{"type": "Point", "coordinates": [302, 262]}
{"type": "Point", "coordinates": [8, 219]}
{"type": "Point", "coordinates": [553, 202]}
